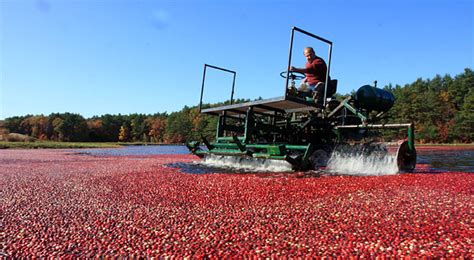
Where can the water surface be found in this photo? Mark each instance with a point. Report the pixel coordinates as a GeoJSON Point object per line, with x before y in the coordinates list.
{"type": "Point", "coordinates": [438, 159]}
{"type": "Point", "coordinates": [447, 160]}
{"type": "Point", "coordinates": [136, 150]}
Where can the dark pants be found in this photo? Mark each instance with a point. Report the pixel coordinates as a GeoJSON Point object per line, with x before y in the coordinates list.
{"type": "Point", "coordinates": [318, 94]}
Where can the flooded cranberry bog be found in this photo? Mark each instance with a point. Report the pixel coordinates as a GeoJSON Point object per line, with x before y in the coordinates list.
{"type": "Point", "coordinates": [58, 203]}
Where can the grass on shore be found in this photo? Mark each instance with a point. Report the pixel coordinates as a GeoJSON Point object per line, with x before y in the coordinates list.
{"type": "Point", "coordinates": [55, 145]}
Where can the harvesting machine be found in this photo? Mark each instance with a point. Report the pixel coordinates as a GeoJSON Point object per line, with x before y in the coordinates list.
{"type": "Point", "coordinates": [299, 130]}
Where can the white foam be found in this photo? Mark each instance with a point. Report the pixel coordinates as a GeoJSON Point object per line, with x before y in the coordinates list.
{"type": "Point", "coordinates": [360, 163]}
{"type": "Point", "coordinates": [343, 161]}
{"type": "Point", "coordinates": [245, 164]}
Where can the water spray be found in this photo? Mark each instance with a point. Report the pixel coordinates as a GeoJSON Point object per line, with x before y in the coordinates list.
{"type": "Point", "coordinates": [372, 160]}
{"type": "Point", "coordinates": [244, 164]}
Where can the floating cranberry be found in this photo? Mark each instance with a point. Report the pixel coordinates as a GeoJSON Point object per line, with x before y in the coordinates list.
{"type": "Point", "coordinates": [58, 204]}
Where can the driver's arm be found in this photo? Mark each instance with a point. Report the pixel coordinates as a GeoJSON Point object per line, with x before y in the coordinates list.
{"type": "Point", "coordinates": [300, 70]}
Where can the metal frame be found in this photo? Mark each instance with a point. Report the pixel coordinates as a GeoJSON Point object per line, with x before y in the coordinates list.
{"type": "Point", "coordinates": [204, 79]}
{"type": "Point", "coordinates": [290, 54]}
{"type": "Point", "coordinates": [410, 130]}
{"type": "Point", "coordinates": [285, 136]}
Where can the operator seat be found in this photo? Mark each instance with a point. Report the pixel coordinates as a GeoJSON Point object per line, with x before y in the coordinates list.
{"type": "Point", "coordinates": [332, 88]}
{"type": "Point", "coordinates": [331, 102]}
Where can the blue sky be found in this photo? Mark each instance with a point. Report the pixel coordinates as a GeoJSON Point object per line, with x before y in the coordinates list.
{"type": "Point", "coordinates": [95, 57]}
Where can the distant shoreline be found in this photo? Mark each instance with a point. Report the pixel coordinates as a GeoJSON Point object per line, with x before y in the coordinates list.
{"type": "Point", "coordinates": [79, 145]}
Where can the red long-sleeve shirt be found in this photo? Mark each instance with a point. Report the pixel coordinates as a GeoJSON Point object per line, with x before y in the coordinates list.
{"type": "Point", "coordinates": [316, 71]}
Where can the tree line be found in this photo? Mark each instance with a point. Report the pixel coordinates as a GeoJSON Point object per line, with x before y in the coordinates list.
{"type": "Point", "coordinates": [176, 127]}
{"type": "Point", "coordinates": [442, 109]}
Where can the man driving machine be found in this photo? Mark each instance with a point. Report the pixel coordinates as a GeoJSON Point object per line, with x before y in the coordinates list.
{"type": "Point", "coordinates": [315, 75]}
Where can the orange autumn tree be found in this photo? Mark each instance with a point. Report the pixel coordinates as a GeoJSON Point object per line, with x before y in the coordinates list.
{"type": "Point", "coordinates": [157, 128]}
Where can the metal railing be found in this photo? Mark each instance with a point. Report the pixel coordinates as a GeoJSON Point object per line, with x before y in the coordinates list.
{"type": "Point", "coordinates": [290, 54]}
{"type": "Point", "coordinates": [204, 79]}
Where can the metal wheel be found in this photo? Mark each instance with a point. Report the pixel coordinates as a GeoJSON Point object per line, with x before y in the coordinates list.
{"type": "Point", "coordinates": [406, 158]}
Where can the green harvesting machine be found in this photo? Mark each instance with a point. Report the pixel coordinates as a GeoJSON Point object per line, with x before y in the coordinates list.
{"type": "Point", "coordinates": [302, 132]}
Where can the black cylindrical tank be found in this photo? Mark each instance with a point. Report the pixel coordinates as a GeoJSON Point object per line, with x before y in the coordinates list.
{"type": "Point", "coordinates": [373, 99]}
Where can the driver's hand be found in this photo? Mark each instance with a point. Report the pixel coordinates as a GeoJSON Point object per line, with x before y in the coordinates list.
{"type": "Point", "coordinates": [291, 68]}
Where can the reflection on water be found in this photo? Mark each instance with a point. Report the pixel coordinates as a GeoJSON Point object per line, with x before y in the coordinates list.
{"type": "Point", "coordinates": [136, 150]}
{"type": "Point", "coordinates": [448, 160]}
{"type": "Point", "coordinates": [438, 159]}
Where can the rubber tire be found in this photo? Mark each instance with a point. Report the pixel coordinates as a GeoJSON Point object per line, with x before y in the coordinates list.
{"type": "Point", "coordinates": [406, 159]}
{"type": "Point", "coordinates": [319, 158]}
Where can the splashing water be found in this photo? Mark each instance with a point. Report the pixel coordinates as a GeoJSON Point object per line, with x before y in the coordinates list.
{"type": "Point", "coordinates": [245, 164]}
{"type": "Point", "coordinates": [359, 161]}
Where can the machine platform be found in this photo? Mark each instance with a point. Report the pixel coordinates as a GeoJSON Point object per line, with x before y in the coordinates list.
{"type": "Point", "coordinates": [269, 106]}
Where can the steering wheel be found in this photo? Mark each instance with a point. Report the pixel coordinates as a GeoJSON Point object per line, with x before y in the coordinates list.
{"type": "Point", "coordinates": [293, 75]}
